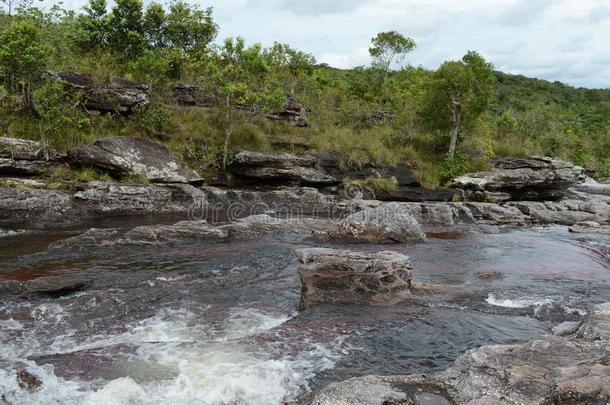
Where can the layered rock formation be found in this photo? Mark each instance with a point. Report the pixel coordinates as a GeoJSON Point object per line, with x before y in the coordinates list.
{"type": "Point", "coordinates": [21, 157]}
{"type": "Point", "coordinates": [279, 168]}
{"type": "Point", "coordinates": [521, 179]}
{"type": "Point", "coordinates": [123, 155]}
{"type": "Point", "coordinates": [322, 171]}
{"type": "Point", "coordinates": [293, 113]}
{"type": "Point", "coordinates": [119, 96]}
{"type": "Point", "coordinates": [346, 277]}
{"type": "Point", "coordinates": [550, 370]}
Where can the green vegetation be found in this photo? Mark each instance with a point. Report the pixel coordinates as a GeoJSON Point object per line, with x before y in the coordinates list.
{"type": "Point", "coordinates": [442, 122]}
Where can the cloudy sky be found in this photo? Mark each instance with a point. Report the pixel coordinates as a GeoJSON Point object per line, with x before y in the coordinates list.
{"type": "Point", "coordinates": [565, 40]}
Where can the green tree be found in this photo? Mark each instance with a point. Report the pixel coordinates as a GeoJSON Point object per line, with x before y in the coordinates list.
{"type": "Point", "coordinates": [23, 56]}
{"type": "Point", "coordinates": [388, 48]}
{"type": "Point", "coordinates": [290, 64]}
{"type": "Point", "coordinates": [459, 91]}
{"type": "Point", "coordinates": [155, 21]}
{"type": "Point", "coordinates": [126, 29]}
{"type": "Point", "coordinates": [189, 29]}
{"type": "Point", "coordinates": [243, 79]}
{"type": "Point", "coordinates": [94, 25]}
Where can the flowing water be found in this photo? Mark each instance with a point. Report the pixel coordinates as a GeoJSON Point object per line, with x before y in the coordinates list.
{"type": "Point", "coordinates": [216, 323]}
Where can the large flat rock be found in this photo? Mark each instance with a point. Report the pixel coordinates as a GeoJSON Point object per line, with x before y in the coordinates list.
{"type": "Point", "coordinates": [549, 370]}
{"type": "Point", "coordinates": [534, 178]}
{"type": "Point", "coordinates": [123, 155]}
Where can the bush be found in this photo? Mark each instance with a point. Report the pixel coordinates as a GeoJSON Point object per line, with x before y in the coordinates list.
{"type": "Point", "coordinates": [453, 167]}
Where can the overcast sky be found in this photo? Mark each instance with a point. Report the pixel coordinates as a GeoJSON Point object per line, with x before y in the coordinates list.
{"type": "Point", "coordinates": [565, 40]}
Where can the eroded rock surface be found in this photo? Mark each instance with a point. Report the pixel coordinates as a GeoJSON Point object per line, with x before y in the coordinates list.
{"type": "Point", "coordinates": [119, 96]}
{"type": "Point", "coordinates": [390, 222]}
{"type": "Point", "coordinates": [347, 277]}
{"type": "Point", "coordinates": [550, 370]}
{"type": "Point", "coordinates": [22, 157]}
{"type": "Point", "coordinates": [124, 155]}
{"type": "Point", "coordinates": [521, 179]}
{"type": "Point", "coordinates": [35, 206]}
{"type": "Point", "coordinates": [279, 168]}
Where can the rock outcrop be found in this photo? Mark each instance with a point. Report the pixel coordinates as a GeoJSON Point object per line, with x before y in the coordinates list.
{"type": "Point", "coordinates": [521, 179]}
{"type": "Point", "coordinates": [391, 222]}
{"type": "Point", "coordinates": [123, 155]}
{"type": "Point", "coordinates": [278, 169]}
{"type": "Point", "coordinates": [22, 157]}
{"type": "Point", "coordinates": [293, 113]}
{"type": "Point", "coordinates": [346, 277]}
{"type": "Point", "coordinates": [191, 95]}
{"type": "Point", "coordinates": [550, 370]}
{"type": "Point", "coordinates": [35, 207]}
{"type": "Point", "coordinates": [119, 96]}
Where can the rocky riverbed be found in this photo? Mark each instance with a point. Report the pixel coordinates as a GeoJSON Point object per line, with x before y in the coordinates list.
{"type": "Point", "coordinates": [289, 287]}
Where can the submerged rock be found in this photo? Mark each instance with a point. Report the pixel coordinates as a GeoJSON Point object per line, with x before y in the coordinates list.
{"type": "Point", "coordinates": [549, 370]}
{"type": "Point", "coordinates": [140, 236]}
{"type": "Point", "coordinates": [28, 381]}
{"type": "Point", "coordinates": [51, 286]}
{"type": "Point", "coordinates": [387, 223]}
{"type": "Point", "coordinates": [347, 277]}
{"type": "Point", "coordinates": [123, 155]}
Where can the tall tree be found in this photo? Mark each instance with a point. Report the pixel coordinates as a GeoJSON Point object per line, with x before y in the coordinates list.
{"type": "Point", "coordinates": [94, 24]}
{"type": "Point", "coordinates": [126, 28]}
{"type": "Point", "coordinates": [390, 48]}
{"type": "Point", "coordinates": [242, 76]}
{"type": "Point", "coordinates": [291, 64]}
{"type": "Point", "coordinates": [459, 91]}
{"type": "Point", "coordinates": [23, 56]}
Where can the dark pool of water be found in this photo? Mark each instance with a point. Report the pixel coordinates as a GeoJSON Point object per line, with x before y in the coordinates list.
{"type": "Point", "coordinates": [217, 322]}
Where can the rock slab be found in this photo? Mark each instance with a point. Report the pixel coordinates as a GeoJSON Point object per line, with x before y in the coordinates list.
{"type": "Point", "coordinates": [521, 179]}
{"type": "Point", "coordinates": [123, 155]}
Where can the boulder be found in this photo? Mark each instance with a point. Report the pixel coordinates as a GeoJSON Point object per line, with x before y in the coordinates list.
{"type": "Point", "coordinates": [391, 222]}
{"type": "Point", "coordinates": [124, 155]}
{"type": "Point", "coordinates": [535, 178]}
{"type": "Point", "coordinates": [549, 370]}
{"type": "Point", "coordinates": [119, 96]}
{"type": "Point", "coordinates": [278, 168]}
{"type": "Point", "coordinates": [346, 277]}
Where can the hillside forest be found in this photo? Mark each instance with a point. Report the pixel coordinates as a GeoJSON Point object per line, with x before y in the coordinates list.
{"type": "Point", "coordinates": [442, 122]}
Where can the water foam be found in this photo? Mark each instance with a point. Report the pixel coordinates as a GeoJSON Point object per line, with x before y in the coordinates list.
{"type": "Point", "coordinates": [179, 358]}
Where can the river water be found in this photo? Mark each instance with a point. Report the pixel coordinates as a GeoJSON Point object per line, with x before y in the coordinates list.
{"type": "Point", "coordinates": [216, 323]}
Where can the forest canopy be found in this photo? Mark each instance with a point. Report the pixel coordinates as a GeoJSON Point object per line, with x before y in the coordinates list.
{"type": "Point", "coordinates": [443, 122]}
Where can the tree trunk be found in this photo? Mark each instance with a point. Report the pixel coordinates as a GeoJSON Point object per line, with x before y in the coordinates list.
{"type": "Point", "coordinates": [225, 156]}
{"type": "Point", "coordinates": [455, 127]}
